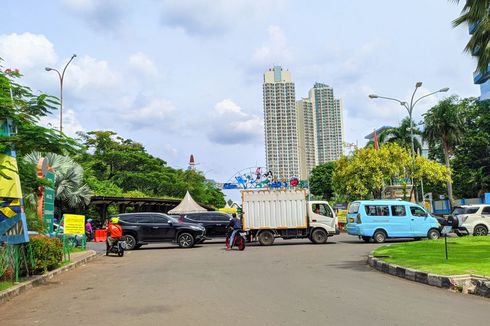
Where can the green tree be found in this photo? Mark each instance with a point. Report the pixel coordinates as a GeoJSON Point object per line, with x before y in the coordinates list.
{"type": "Point", "coordinates": [321, 180]}
{"type": "Point", "coordinates": [443, 126]}
{"type": "Point", "coordinates": [476, 13]}
{"type": "Point", "coordinates": [400, 135]}
{"type": "Point", "coordinates": [471, 162]}
{"type": "Point", "coordinates": [368, 172]}
{"type": "Point", "coordinates": [23, 108]}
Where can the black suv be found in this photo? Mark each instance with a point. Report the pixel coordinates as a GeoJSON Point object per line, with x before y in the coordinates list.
{"type": "Point", "coordinates": [214, 222]}
{"type": "Point", "coordinates": [143, 228]}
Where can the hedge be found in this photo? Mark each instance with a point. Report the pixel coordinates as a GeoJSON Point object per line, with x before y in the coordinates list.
{"type": "Point", "coordinates": [47, 253]}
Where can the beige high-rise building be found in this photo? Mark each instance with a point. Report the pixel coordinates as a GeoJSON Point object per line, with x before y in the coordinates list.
{"type": "Point", "coordinates": [306, 137]}
{"type": "Point", "coordinates": [280, 123]}
{"type": "Point", "coordinates": [329, 123]}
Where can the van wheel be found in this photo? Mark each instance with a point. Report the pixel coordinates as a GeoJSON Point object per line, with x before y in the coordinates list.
{"type": "Point", "coordinates": [266, 238]}
{"type": "Point", "coordinates": [366, 239]}
{"type": "Point", "coordinates": [433, 234]}
{"type": "Point", "coordinates": [379, 236]}
{"type": "Point", "coordinates": [480, 230]}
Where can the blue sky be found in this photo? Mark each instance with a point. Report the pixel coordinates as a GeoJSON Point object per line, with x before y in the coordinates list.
{"type": "Point", "coordinates": [185, 76]}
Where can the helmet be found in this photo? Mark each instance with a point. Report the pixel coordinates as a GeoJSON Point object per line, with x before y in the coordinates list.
{"type": "Point", "coordinates": [115, 220]}
{"type": "Point", "coordinates": [89, 220]}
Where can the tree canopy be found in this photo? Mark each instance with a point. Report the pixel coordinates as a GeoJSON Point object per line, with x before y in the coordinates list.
{"type": "Point", "coordinates": [321, 180]}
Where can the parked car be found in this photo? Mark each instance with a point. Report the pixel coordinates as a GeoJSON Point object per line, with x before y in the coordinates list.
{"type": "Point", "coordinates": [470, 219]}
{"type": "Point", "coordinates": [382, 219]}
{"type": "Point", "coordinates": [214, 222]}
{"type": "Point", "coordinates": [144, 228]}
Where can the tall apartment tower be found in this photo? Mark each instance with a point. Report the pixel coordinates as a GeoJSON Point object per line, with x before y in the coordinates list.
{"type": "Point", "coordinates": [280, 123]}
{"type": "Point", "coordinates": [329, 125]}
{"type": "Point", "coordinates": [306, 137]}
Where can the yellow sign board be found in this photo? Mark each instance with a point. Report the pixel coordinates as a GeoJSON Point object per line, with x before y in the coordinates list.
{"type": "Point", "coordinates": [342, 216]}
{"type": "Point", "coordinates": [9, 187]}
{"type": "Point", "coordinates": [74, 224]}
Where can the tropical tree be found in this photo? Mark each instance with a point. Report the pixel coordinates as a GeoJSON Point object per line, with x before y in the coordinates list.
{"type": "Point", "coordinates": [443, 126]}
{"type": "Point", "coordinates": [321, 180]}
{"type": "Point", "coordinates": [400, 135]}
{"type": "Point", "coordinates": [476, 13]}
{"type": "Point", "coordinates": [70, 191]}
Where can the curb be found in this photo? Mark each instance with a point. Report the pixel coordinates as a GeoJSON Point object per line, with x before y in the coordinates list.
{"type": "Point", "coordinates": [15, 290]}
{"type": "Point", "coordinates": [467, 284]}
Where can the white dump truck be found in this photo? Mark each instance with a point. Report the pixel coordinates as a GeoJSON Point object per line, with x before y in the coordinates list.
{"type": "Point", "coordinates": [270, 214]}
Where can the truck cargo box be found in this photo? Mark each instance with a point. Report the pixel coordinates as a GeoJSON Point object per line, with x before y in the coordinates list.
{"type": "Point", "coordinates": [279, 209]}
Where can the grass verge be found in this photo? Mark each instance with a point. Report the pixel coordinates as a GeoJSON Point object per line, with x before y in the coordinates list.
{"type": "Point", "coordinates": [466, 255]}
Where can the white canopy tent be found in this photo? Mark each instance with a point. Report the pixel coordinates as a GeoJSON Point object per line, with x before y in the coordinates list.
{"type": "Point", "coordinates": [187, 205]}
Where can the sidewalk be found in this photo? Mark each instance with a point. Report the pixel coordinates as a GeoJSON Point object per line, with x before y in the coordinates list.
{"type": "Point", "coordinates": [77, 259]}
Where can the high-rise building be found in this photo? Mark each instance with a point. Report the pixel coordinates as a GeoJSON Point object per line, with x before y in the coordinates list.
{"type": "Point", "coordinates": [306, 137]}
{"type": "Point", "coordinates": [482, 79]}
{"type": "Point", "coordinates": [329, 124]}
{"type": "Point", "coordinates": [280, 122]}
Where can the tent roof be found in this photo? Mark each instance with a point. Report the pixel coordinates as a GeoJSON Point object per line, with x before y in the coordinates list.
{"type": "Point", "coordinates": [187, 205]}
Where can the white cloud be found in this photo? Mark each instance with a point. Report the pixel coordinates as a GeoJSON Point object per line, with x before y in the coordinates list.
{"type": "Point", "coordinates": [157, 113]}
{"type": "Point", "coordinates": [140, 63]}
{"type": "Point", "coordinates": [100, 15]}
{"type": "Point", "coordinates": [71, 125]}
{"type": "Point", "coordinates": [275, 50]}
{"type": "Point", "coordinates": [230, 125]}
{"type": "Point", "coordinates": [26, 51]}
{"type": "Point", "coordinates": [213, 17]}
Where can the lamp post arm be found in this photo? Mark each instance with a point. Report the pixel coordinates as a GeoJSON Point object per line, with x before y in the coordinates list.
{"type": "Point", "coordinates": [425, 96]}
{"type": "Point", "coordinates": [391, 99]}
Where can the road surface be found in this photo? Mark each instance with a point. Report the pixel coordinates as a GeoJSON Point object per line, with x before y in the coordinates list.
{"type": "Point", "coordinates": [290, 283]}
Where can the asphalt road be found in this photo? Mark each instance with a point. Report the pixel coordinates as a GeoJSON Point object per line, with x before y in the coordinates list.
{"type": "Point", "coordinates": [290, 283]}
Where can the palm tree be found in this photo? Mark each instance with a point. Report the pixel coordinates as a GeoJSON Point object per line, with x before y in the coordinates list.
{"type": "Point", "coordinates": [70, 191]}
{"type": "Point", "coordinates": [400, 135]}
{"type": "Point", "coordinates": [444, 126]}
{"type": "Point", "coordinates": [476, 13]}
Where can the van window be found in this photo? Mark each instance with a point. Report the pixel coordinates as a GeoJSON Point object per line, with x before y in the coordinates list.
{"type": "Point", "coordinates": [417, 211]}
{"type": "Point", "coordinates": [377, 210]}
{"type": "Point", "coordinates": [354, 208]}
{"type": "Point", "coordinates": [398, 210]}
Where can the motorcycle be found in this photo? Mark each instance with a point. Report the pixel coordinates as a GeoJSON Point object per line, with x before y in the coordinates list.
{"type": "Point", "coordinates": [239, 240]}
{"type": "Point", "coordinates": [117, 248]}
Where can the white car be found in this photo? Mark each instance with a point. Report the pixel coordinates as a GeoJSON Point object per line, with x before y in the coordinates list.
{"type": "Point", "coordinates": [471, 219]}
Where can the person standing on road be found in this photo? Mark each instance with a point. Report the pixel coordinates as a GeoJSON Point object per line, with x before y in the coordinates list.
{"type": "Point", "coordinates": [236, 225]}
{"type": "Point", "coordinates": [89, 232]}
{"type": "Point", "coordinates": [114, 232]}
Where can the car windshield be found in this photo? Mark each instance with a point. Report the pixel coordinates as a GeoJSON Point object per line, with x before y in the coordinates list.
{"type": "Point", "coordinates": [171, 219]}
{"type": "Point", "coordinates": [464, 210]}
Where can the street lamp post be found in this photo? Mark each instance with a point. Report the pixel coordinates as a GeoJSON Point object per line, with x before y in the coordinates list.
{"type": "Point", "coordinates": [61, 77]}
{"type": "Point", "coordinates": [409, 108]}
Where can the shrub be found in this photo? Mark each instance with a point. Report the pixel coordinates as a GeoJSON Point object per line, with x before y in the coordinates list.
{"type": "Point", "coordinates": [47, 253]}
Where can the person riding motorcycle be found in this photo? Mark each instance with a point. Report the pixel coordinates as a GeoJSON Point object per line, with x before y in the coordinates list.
{"type": "Point", "coordinates": [114, 232]}
{"type": "Point", "coordinates": [236, 225]}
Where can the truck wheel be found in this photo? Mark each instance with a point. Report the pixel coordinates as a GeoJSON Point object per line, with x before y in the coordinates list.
{"type": "Point", "coordinates": [379, 236]}
{"type": "Point", "coordinates": [266, 238]}
{"type": "Point", "coordinates": [480, 230]}
{"type": "Point", "coordinates": [319, 236]}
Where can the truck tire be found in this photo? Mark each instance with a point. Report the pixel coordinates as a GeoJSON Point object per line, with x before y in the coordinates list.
{"type": "Point", "coordinates": [266, 238]}
{"type": "Point", "coordinates": [319, 236]}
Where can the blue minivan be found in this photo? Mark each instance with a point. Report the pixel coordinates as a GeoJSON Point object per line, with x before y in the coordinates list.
{"type": "Point", "coordinates": [382, 219]}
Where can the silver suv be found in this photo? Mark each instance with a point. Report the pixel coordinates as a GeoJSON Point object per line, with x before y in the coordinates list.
{"type": "Point", "coordinates": [470, 219]}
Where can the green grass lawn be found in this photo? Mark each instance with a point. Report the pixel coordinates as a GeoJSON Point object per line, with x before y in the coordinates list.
{"type": "Point", "coordinates": [466, 255]}
{"type": "Point", "coordinates": [4, 285]}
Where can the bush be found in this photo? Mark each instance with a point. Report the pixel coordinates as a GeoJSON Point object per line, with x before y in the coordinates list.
{"type": "Point", "coordinates": [47, 253]}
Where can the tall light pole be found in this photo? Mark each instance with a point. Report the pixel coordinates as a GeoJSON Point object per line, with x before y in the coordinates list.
{"type": "Point", "coordinates": [409, 108]}
{"type": "Point", "coordinates": [61, 77]}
